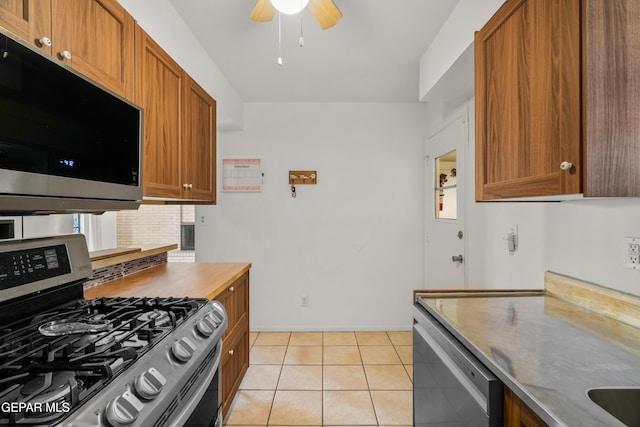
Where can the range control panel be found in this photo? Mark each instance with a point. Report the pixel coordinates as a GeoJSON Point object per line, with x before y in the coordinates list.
{"type": "Point", "coordinates": [32, 265]}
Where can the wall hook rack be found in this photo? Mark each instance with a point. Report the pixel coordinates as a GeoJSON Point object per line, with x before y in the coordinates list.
{"type": "Point", "coordinates": [301, 177]}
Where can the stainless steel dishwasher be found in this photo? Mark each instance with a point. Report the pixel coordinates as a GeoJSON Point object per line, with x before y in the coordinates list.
{"type": "Point", "coordinates": [451, 387]}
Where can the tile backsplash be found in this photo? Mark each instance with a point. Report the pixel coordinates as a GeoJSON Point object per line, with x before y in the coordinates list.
{"type": "Point", "coordinates": [118, 271]}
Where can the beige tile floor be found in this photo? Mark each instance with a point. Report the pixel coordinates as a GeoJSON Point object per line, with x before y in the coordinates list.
{"type": "Point", "coordinates": [326, 378]}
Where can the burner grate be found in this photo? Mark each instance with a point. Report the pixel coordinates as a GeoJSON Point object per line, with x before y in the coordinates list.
{"type": "Point", "coordinates": [93, 359]}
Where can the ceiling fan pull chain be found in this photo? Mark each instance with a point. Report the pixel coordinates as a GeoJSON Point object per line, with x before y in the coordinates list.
{"type": "Point", "coordinates": [301, 41]}
{"type": "Point", "coordinates": [279, 39]}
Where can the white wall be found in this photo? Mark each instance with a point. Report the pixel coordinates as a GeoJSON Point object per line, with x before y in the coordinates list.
{"type": "Point", "coordinates": [451, 44]}
{"type": "Point", "coordinates": [585, 239]}
{"type": "Point", "coordinates": [353, 242]}
{"type": "Point", "coordinates": [163, 23]}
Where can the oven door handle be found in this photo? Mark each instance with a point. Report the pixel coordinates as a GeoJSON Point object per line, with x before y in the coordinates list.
{"type": "Point", "coordinates": [452, 367]}
{"type": "Point", "coordinates": [191, 405]}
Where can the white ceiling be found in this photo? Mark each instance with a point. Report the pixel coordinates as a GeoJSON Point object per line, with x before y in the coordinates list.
{"type": "Point", "coordinates": [371, 55]}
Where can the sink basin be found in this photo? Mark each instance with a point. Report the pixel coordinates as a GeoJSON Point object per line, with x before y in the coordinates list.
{"type": "Point", "coordinates": [622, 403]}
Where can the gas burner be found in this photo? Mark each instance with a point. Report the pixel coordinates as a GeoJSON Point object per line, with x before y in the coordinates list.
{"type": "Point", "coordinates": [161, 317]}
{"type": "Point", "coordinates": [105, 339]}
{"type": "Point", "coordinates": [99, 340]}
{"type": "Point", "coordinates": [50, 387]}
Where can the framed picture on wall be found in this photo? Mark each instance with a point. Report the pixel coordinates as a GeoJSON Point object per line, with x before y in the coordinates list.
{"type": "Point", "coordinates": [242, 175]}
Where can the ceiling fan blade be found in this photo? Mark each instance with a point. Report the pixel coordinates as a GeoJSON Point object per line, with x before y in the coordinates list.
{"type": "Point", "coordinates": [326, 12]}
{"type": "Point", "coordinates": [263, 12]}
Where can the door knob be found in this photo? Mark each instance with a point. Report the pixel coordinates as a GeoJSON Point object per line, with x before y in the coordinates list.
{"type": "Point", "coordinates": [65, 54]}
{"type": "Point", "coordinates": [457, 258]}
{"type": "Point", "coordinates": [44, 41]}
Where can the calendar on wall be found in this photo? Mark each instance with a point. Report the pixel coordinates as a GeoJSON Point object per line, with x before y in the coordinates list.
{"type": "Point", "coordinates": [242, 175]}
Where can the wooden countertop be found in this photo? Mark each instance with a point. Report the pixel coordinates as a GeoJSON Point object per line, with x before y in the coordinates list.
{"type": "Point", "coordinates": [198, 280]}
{"type": "Point", "coordinates": [109, 257]}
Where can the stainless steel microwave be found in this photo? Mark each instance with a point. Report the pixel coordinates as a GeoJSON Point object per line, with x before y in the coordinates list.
{"type": "Point", "coordinates": [66, 143]}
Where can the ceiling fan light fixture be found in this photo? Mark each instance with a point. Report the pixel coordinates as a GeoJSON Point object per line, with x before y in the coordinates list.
{"type": "Point", "coordinates": [289, 7]}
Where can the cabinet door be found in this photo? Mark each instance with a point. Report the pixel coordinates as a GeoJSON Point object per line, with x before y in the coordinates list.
{"type": "Point", "coordinates": [528, 100]}
{"type": "Point", "coordinates": [235, 300]}
{"type": "Point", "coordinates": [235, 341]}
{"type": "Point", "coordinates": [159, 93]}
{"type": "Point", "coordinates": [198, 143]}
{"type": "Point", "coordinates": [28, 19]}
{"type": "Point", "coordinates": [517, 414]}
{"type": "Point", "coordinates": [611, 106]}
{"type": "Point", "coordinates": [99, 37]}
{"type": "Point", "coordinates": [234, 364]}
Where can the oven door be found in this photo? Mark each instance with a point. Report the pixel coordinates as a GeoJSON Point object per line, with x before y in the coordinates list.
{"type": "Point", "coordinates": [203, 410]}
{"type": "Point", "coordinates": [450, 386]}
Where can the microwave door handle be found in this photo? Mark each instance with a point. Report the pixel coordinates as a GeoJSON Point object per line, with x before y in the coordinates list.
{"type": "Point", "coordinates": [452, 367]}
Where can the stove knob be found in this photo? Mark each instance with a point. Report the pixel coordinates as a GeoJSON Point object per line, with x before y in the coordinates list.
{"type": "Point", "coordinates": [183, 349]}
{"type": "Point", "coordinates": [214, 318]}
{"type": "Point", "coordinates": [148, 385]}
{"type": "Point", "coordinates": [205, 327]}
{"type": "Point", "coordinates": [123, 410]}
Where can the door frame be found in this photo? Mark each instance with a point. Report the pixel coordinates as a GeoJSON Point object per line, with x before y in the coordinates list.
{"type": "Point", "coordinates": [460, 113]}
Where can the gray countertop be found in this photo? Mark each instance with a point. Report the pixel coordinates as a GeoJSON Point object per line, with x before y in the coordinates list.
{"type": "Point", "coordinates": [548, 351]}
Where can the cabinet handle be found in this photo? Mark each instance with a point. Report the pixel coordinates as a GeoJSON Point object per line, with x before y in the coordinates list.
{"type": "Point", "coordinates": [44, 41]}
{"type": "Point", "coordinates": [565, 166]}
{"type": "Point", "coordinates": [187, 186]}
{"type": "Point", "coordinates": [231, 289]}
{"type": "Point", "coordinates": [65, 54]}
{"type": "Point", "coordinates": [231, 352]}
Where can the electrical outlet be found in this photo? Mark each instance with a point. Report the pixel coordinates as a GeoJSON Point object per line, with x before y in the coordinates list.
{"type": "Point", "coordinates": [632, 252]}
{"type": "Point", "coordinates": [304, 301]}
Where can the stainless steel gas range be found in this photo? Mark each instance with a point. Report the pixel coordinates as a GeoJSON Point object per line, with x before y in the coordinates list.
{"type": "Point", "coordinates": [67, 361]}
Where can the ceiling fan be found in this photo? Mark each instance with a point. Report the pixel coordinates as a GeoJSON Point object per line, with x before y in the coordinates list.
{"type": "Point", "coordinates": [325, 11]}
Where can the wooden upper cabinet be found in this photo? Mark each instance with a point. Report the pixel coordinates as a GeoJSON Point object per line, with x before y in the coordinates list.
{"type": "Point", "coordinates": [98, 36]}
{"type": "Point", "coordinates": [94, 37]}
{"type": "Point", "coordinates": [179, 129]}
{"type": "Point", "coordinates": [198, 142]}
{"type": "Point", "coordinates": [557, 81]}
{"type": "Point", "coordinates": [528, 109]}
{"type": "Point", "coordinates": [611, 71]}
{"type": "Point", "coordinates": [159, 93]}
{"type": "Point", "coordinates": [28, 19]}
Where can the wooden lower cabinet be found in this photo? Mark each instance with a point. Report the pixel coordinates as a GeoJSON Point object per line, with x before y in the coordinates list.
{"type": "Point", "coordinates": [235, 342]}
{"type": "Point", "coordinates": [235, 362]}
{"type": "Point", "coordinates": [517, 413]}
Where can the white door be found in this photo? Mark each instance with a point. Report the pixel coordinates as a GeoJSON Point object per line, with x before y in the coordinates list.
{"type": "Point", "coordinates": [446, 157]}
